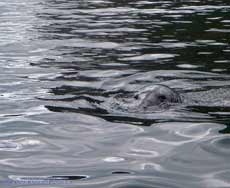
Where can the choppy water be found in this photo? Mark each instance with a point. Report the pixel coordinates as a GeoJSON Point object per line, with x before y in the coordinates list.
{"type": "Point", "coordinates": [62, 64]}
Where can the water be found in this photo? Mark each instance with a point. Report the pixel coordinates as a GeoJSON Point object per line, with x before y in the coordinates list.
{"type": "Point", "coordinates": [62, 66]}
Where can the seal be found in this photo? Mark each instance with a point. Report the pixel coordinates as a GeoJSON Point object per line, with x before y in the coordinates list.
{"type": "Point", "coordinates": [157, 96]}
{"type": "Point", "coordinates": [153, 98]}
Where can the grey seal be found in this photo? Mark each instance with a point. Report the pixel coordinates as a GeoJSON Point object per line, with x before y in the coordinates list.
{"type": "Point", "coordinates": [157, 96]}
{"type": "Point", "coordinates": [148, 99]}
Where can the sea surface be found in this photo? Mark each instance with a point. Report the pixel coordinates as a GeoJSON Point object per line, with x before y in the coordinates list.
{"type": "Point", "coordinates": [63, 65]}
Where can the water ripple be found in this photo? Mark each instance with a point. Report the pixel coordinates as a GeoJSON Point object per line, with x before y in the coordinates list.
{"type": "Point", "coordinates": [69, 70]}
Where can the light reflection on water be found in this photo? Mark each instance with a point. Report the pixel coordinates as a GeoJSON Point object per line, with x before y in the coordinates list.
{"type": "Point", "coordinates": [64, 63]}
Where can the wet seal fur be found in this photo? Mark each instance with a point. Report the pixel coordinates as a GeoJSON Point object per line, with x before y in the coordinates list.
{"type": "Point", "coordinates": [157, 95]}
{"type": "Point", "coordinates": [153, 98]}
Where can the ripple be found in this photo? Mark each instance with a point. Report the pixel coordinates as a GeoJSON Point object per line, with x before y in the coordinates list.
{"type": "Point", "coordinates": [21, 145]}
{"type": "Point", "coordinates": [148, 57]}
{"type": "Point", "coordinates": [189, 156]}
{"type": "Point", "coordinates": [218, 179]}
{"type": "Point", "coordinates": [218, 146]}
{"type": "Point", "coordinates": [143, 184]}
{"type": "Point", "coordinates": [113, 159]}
{"type": "Point", "coordinates": [219, 30]}
{"type": "Point", "coordinates": [63, 66]}
{"type": "Point", "coordinates": [8, 146]}
{"type": "Point", "coordinates": [121, 172]}
{"type": "Point", "coordinates": [188, 66]}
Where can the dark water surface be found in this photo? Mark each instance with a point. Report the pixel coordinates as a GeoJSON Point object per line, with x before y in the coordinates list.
{"type": "Point", "coordinates": [63, 64]}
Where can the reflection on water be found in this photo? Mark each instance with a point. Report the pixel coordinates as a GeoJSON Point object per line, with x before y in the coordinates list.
{"type": "Point", "coordinates": [63, 65]}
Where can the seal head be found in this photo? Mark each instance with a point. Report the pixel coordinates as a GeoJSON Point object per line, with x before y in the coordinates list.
{"type": "Point", "coordinates": [157, 95]}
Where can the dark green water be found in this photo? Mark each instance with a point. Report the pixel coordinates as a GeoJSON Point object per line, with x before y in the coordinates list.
{"type": "Point", "coordinates": [64, 63]}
